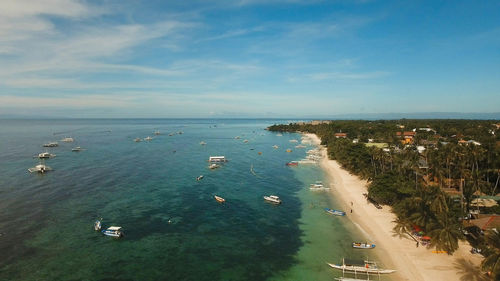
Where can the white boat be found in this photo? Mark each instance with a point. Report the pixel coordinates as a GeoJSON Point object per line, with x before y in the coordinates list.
{"type": "Point", "coordinates": [365, 245]}
{"type": "Point", "coordinates": [157, 133]}
{"type": "Point", "coordinates": [203, 143]}
{"type": "Point", "coordinates": [77, 149]}
{"type": "Point", "coordinates": [213, 166]}
{"type": "Point", "coordinates": [273, 199]}
{"type": "Point", "coordinates": [219, 199]}
{"type": "Point", "coordinates": [217, 159]}
{"type": "Point", "coordinates": [360, 266]}
{"type": "Point", "coordinates": [300, 146]}
{"type": "Point", "coordinates": [171, 134]}
{"type": "Point", "coordinates": [199, 177]}
{"type": "Point", "coordinates": [237, 137]}
{"type": "Point", "coordinates": [40, 168]}
{"type": "Point", "coordinates": [137, 140]}
{"type": "Point", "coordinates": [245, 141]}
{"type": "Point", "coordinates": [318, 185]}
{"type": "Point", "coordinates": [148, 138]}
{"type": "Point", "coordinates": [279, 135]}
{"type": "Point", "coordinates": [293, 141]}
{"type": "Point", "coordinates": [97, 225]}
{"type": "Point", "coordinates": [335, 212]}
{"type": "Point", "coordinates": [45, 155]}
{"type": "Point", "coordinates": [68, 140]}
{"type": "Point", "coordinates": [113, 231]}
{"type": "Point", "coordinates": [51, 144]}
{"type": "Point", "coordinates": [275, 146]}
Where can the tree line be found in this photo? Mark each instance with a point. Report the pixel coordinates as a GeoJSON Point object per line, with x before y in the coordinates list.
{"type": "Point", "coordinates": [443, 155]}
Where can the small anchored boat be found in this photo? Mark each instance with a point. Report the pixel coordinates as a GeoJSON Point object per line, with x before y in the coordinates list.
{"type": "Point", "coordinates": [137, 140]}
{"type": "Point", "coordinates": [365, 245]}
{"type": "Point", "coordinates": [68, 140]}
{"type": "Point", "coordinates": [148, 138]}
{"type": "Point", "coordinates": [203, 143]}
{"type": "Point", "coordinates": [113, 231]}
{"type": "Point", "coordinates": [97, 225]}
{"type": "Point", "coordinates": [198, 178]}
{"type": "Point", "coordinates": [44, 155]}
{"type": "Point", "coordinates": [40, 168]}
{"type": "Point", "coordinates": [360, 266]}
{"type": "Point", "coordinates": [213, 166]}
{"type": "Point", "coordinates": [293, 163]}
{"type": "Point", "coordinates": [51, 144]}
{"type": "Point", "coordinates": [219, 199]}
{"type": "Point", "coordinates": [334, 212]}
{"type": "Point", "coordinates": [273, 199]}
{"type": "Point", "coordinates": [318, 185]}
{"type": "Point", "coordinates": [77, 149]}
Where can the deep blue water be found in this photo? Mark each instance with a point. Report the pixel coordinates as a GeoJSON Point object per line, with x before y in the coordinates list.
{"type": "Point", "coordinates": [174, 229]}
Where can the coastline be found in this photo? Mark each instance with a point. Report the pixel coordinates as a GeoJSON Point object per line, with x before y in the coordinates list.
{"type": "Point", "coordinates": [411, 262]}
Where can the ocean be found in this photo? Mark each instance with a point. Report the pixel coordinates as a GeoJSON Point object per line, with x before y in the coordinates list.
{"type": "Point", "coordinates": [174, 229]}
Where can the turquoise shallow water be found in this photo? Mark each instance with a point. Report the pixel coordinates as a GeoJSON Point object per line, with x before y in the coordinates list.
{"type": "Point", "coordinates": [174, 229]}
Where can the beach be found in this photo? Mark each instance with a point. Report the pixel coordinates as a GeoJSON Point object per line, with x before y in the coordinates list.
{"type": "Point", "coordinates": [411, 262]}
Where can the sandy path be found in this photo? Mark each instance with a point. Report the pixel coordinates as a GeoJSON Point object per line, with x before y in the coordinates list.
{"type": "Point", "coordinates": [411, 263]}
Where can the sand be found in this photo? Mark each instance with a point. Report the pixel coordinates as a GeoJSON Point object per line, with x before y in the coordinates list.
{"type": "Point", "coordinates": [411, 262]}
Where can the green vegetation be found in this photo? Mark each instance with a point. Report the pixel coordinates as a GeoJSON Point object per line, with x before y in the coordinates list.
{"type": "Point", "coordinates": [423, 172]}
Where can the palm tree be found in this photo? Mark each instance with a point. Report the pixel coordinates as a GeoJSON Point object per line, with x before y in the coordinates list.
{"type": "Point", "coordinates": [491, 262]}
{"type": "Point", "coordinates": [445, 234]}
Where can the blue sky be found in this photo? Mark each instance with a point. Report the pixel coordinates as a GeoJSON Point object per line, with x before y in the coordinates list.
{"type": "Point", "coordinates": [247, 58]}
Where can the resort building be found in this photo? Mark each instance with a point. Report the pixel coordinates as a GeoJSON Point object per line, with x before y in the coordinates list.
{"type": "Point", "coordinates": [341, 135]}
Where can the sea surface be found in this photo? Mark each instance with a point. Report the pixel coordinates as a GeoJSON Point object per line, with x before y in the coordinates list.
{"type": "Point", "coordinates": [174, 229]}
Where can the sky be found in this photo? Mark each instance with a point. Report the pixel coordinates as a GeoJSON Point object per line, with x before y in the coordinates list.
{"type": "Point", "coordinates": [247, 58]}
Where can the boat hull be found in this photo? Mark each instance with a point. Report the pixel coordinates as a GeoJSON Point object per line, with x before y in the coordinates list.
{"type": "Point", "coordinates": [335, 212]}
{"type": "Point", "coordinates": [361, 269]}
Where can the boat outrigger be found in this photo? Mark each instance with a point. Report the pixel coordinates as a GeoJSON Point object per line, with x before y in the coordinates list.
{"type": "Point", "coordinates": [113, 231]}
{"type": "Point", "coordinates": [335, 212]}
{"type": "Point", "coordinates": [40, 168]}
{"type": "Point", "coordinates": [360, 266]}
{"type": "Point", "coordinates": [362, 245]}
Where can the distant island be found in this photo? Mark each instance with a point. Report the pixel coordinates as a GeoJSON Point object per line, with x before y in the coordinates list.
{"type": "Point", "coordinates": [440, 177]}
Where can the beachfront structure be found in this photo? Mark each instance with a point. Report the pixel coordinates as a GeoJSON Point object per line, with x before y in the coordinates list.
{"type": "Point", "coordinates": [341, 135]}
{"type": "Point", "coordinates": [217, 159]}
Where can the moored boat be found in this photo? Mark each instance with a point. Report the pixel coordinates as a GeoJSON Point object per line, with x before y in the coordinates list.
{"type": "Point", "coordinates": [273, 199]}
{"type": "Point", "coordinates": [365, 245]}
{"type": "Point", "coordinates": [148, 138]}
{"type": "Point", "coordinates": [45, 155]}
{"type": "Point", "coordinates": [113, 231]}
{"type": "Point", "coordinates": [219, 199]}
{"type": "Point", "coordinates": [203, 143]}
{"type": "Point", "coordinates": [68, 140]}
{"type": "Point", "coordinates": [40, 168]}
{"type": "Point", "coordinates": [51, 144]}
{"type": "Point", "coordinates": [77, 149]}
{"type": "Point", "coordinates": [292, 163]}
{"type": "Point", "coordinates": [213, 166]}
{"type": "Point", "coordinates": [334, 212]}
{"type": "Point", "coordinates": [318, 185]}
{"type": "Point", "coordinates": [137, 140]}
{"type": "Point", "coordinates": [199, 177]}
{"type": "Point", "coordinates": [360, 266]}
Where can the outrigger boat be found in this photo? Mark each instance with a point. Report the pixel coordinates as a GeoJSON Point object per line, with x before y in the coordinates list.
{"type": "Point", "coordinates": [51, 144]}
{"type": "Point", "coordinates": [113, 231]}
{"type": "Point", "coordinates": [219, 199]}
{"type": "Point", "coordinates": [77, 149]}
{"type": "Point", "coordinates": [44, 155]}
{"type": "Point", "coordinates": [360, 266]}
{"type": "Point", "coordinates": [68, 140]}
{"type": "Point", "coordinates": [198, 178]}
{"type": "Point", "coordinates": [273, 199]}
{"type": "Point", "coordinates": [362, 245]}
{"type": "Point", "coordinates": [318, 185]}
{"type": "Point", "coordinates": [137, 140]}
{"type": "Point", "coordinates": [40, 168]}
{"type": "Point", "coordinates": [292, 163]}
{"type": "Point", "coordinates": [335, 212]}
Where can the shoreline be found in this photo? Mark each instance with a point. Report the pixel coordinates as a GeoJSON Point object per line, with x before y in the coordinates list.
{"type": "Point", "coordinates": [411, 262]}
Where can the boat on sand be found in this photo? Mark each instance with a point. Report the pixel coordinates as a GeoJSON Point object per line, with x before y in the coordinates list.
{"type": "Point", "coordinates": [335, 212]}
{"type": "Point", "coordinates": [364, 245]}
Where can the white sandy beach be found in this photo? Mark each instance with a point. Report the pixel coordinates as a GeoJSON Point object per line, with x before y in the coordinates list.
{"type": "Point", "coordinates": [411, 262]}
